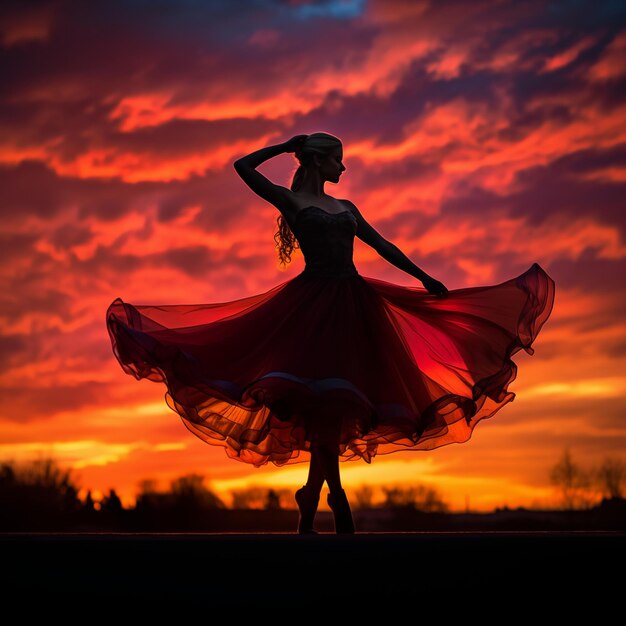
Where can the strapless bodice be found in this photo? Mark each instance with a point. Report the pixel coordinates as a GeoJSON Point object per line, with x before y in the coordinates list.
{"type": "Point", "coordinates": [327, 241]}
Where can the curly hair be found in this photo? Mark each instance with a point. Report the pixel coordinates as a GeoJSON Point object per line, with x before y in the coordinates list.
{"type": "Point", "coordinates": [317, 143]}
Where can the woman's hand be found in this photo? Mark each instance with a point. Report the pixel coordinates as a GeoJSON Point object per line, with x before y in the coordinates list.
{"type": "Point", "coordinates": [294, 143]}
{"type": "Point", "coordinates": [434, 287]}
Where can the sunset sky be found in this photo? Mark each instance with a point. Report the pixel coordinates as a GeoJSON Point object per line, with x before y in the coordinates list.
{"type": "Point", "coordinates": [479, 137]}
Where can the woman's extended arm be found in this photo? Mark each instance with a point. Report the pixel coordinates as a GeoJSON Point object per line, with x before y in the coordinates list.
{"type": "Point", "coordinates": [391, 253]}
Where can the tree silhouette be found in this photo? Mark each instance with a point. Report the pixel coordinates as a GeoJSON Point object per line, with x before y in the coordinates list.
{"type": "Point", "coordinates": [612, 476]}
{"type": "Point", "coordinates": [255, 497]}
{"type": "Point", "coordinates": [364, 496]}
{"type": "Point", "coordinates": [419, 497]}
{"type": "Point", "coordinates": [88, 504]}
{"type": "Point", "coordinates": [148, 499]}
{"type": "Point", "coordinates": [188, 504]}
{"type": "Point", "coordinates": [111, 503]}
{"type": "Point", "coordinates": [272, 501]}
{"type": "Point", "coordinates": [189, 491]}
{"type": "Point", "coordinates": [37, 494]}
{"type": "Point", "coordinates": [572, 482]}
{"type": "Point", "coordinates": [147, 485]}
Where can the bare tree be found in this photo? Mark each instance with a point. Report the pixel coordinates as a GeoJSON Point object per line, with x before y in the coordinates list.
{"type": "Point", "coordinates": [42, 483]}
{"type": "Point", "coordinates": [572, 482]}
{"type": "Point", "coordinates": [364, 496]}
{"type": "Point", "coordinates": [37, 495]}
{"type": "Point", "coordinates": [612, 476]}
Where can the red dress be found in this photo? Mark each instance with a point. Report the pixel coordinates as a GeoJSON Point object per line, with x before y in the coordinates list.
{"type": "Point", "coordinates": [400, 368]}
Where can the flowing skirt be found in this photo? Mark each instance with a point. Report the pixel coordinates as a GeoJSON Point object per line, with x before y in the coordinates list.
{"type": "Point", "coordinates": [391, 367]}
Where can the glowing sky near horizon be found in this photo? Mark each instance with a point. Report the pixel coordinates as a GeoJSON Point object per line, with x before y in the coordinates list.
{"type": "Point", "coordinates": [478, 137]}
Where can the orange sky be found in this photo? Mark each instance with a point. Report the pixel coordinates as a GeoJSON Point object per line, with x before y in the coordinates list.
{"type": "Point", "coordinates": [478, 137]}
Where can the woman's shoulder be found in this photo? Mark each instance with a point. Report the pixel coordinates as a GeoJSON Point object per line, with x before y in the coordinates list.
{"type": "Point", "coordinates": [348, 204]}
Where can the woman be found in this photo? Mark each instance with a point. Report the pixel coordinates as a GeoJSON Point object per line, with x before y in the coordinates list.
{"type": "Point", "coordinates": [331, 364]}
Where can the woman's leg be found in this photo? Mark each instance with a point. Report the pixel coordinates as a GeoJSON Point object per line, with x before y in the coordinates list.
{"type": "Point", "coordinates": [326, 448]}
{"type": "Point", "coordinates": [307, 497]}
{"type": "Point", "coordinates": [320, 469]}
{"type": "Point", "coordinates": [328, 462]}
{"type": "Point", "coordinates": [315, 480]}
{"type": "Point", "coordinates": [325, 451]}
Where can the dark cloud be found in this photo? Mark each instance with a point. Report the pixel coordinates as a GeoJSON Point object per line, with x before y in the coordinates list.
{"type": "Point", "coordinates": [16, 245]}
{"type": "Point", "coordinates": [551, 190]}
{"type": "Point", "coordinates": [13, 349]}
{"type": "Point", "coordinates": [24, 300]}
{"type": "Point", "coordinates": [597, 446]}
{"type": "Point", "coordinates": [193, 53]}
{"type": "Point", "coordinates": [108, 264]}
{"type": "Point", "coordinates": [187, 137]}
{"type": "Point", "coordinates": [558, 188]}
{"type": "Point", "coordinates": [70, 235]}
{"type": "Point", "coordinates": [31, 188]}
{"type": "Point", "coordinates": [192, 260]}
{"type": "Point", "coordinates": [35, 403]}
{"type": "Point", "coordinates": [582, 14]}
{"type": "Point", "coordinates": [617, 350]}
{"type": "Point", "coordinates": [590, 273]}
{"type": "Point", "coordinates": [563, 408]}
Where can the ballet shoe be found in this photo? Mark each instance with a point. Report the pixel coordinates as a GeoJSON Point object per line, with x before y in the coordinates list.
{"type": "Point", "coordinates": [307, 501]}
{"type": "Point", "coordinates": [338, 502]}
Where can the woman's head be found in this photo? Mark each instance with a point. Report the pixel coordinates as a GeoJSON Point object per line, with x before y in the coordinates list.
{"type": "Point", "coordinates": [319, 155]}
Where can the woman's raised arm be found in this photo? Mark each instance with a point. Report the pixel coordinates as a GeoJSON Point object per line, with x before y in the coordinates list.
{"type": "Point", "coordinates": [261, 185]}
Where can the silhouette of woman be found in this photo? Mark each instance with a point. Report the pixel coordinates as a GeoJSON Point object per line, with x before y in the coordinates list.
{"type": "Point", "coordinates": [331, 365]}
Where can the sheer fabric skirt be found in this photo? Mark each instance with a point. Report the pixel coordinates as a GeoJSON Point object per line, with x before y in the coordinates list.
{"type": "Point", "coordinates": [385, 367]}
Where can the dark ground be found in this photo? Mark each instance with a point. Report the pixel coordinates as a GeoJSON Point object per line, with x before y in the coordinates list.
{"type": "Point", "coordinates": [492, 576]}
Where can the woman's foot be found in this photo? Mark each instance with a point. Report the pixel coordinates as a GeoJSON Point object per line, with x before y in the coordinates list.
{"type": "Point", "coordinates": [340, 506]}
{"type": "Point", "coordinates": [307, 500]}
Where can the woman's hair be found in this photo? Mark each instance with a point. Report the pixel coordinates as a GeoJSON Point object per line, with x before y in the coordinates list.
{"type": "Point", "coordinates": [317, 143]}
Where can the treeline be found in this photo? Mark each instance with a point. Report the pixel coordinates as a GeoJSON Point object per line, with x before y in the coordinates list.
{"type": "Point", "coordinates": [583, 487]}
{"type": "Point", "coordinates": [41, 495]}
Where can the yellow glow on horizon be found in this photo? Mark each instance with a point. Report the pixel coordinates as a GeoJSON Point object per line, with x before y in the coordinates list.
{"type": "Point", "coordinates": [607, 387]}
{"type": "Point", "coordinates": [77, 454]}
{"type": "Point", "coordinates": [80, 454]}
{"type": "Point", "coordinates": [142, 409]}
{"type": "Point", "coordinates": [351, 472]}
{"type": "Point", "coordinates": [478, 492]}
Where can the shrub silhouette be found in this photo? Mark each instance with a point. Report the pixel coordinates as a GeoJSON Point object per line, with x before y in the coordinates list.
{"type": "Point", "coordinates": [36, 495]}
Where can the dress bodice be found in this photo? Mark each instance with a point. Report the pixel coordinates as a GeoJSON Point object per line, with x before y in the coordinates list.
{"type": "Point", "coordinates": [327, 241]}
